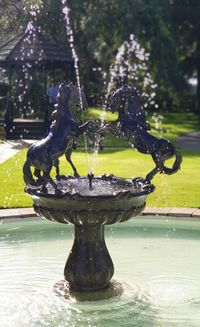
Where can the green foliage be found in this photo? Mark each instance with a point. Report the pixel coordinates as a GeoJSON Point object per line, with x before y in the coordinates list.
{"type": "Point", "coordinates": [10, 18]}
{"type": "Point", "coordinates": [168, 30]}
{"type": "Point", "coordinates": [131, 66]}
{"type": "Point", "coordinates": [4, 88]}
{"type": "Point", "coordinates": [186, 20]}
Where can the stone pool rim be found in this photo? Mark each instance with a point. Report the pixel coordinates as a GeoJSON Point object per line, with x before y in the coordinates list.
{"type": "Point", "coordinates": [179, 213]}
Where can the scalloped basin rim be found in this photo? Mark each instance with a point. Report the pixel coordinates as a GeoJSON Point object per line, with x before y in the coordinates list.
{"type": "Point", "coordinates": [126, 187]}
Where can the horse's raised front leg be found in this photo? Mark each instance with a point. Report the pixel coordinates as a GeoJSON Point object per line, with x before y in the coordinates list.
{"type": "Point", "coordinates": [159, 166]}
{"type": "Point", "coordinates": [68, 157]}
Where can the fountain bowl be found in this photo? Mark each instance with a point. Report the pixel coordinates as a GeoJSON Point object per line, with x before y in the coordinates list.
{"type": "Point", "coordinates": [110, 200]}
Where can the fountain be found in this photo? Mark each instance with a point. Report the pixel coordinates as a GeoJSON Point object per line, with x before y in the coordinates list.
{"type": "Point", "coordinates": [148, 252]}
{"type": "Point", "coordinates": [92, 202]}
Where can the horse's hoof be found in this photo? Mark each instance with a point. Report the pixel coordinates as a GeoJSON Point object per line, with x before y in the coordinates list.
{"type": "Point", "coordinates": [76, 175]}
{"type": "Point", "coordinates": [147, 180]}
{"type": "Point", "coordinates": [138, 179]}
{"type": "Point", "coordinates": [58, 177]}
{"type": "Point", "coordinates": [58, 192]}
{"type": "Point", "coordinates": [44, 189]}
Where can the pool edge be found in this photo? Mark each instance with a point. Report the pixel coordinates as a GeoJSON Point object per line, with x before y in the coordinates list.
{"type": "Point", "coordinates": [180, 213]}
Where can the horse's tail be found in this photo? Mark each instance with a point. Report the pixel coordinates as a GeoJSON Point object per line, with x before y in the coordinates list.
{"type": "Point", "coordinates": [28, 177]}
{"type": "Point", "coordinates": [176, 165]}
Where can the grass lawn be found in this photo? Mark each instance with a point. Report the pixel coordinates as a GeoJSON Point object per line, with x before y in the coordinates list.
{"type": "Point", "coordinates": [179, 190]}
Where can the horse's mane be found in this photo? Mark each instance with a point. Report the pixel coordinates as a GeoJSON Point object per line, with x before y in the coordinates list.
{"type": "Point", "coordinates": [61, 109]}
{"type": "Point", "coordinates": [130, 107]}
{"type": "Point", "coordinates": [126, 93]}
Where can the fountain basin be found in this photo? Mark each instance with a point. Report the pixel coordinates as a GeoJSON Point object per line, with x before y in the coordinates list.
{"type": "Point", "coordinates": [110, 200]}
{"type": "Point", "coordinates": [157, 262]}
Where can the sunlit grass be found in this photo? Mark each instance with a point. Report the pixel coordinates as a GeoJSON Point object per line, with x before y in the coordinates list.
{"type": "Point", "coordinates": [179, 190]}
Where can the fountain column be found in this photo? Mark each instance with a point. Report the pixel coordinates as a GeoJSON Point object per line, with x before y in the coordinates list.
{"type": "Point", "coordinates": [89, 266]}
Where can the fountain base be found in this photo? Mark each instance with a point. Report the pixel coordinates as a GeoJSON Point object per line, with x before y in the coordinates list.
{"type": "Point", "coordinates": [63, 289]}
{"type": "Point", "coordinates": [90, 204]}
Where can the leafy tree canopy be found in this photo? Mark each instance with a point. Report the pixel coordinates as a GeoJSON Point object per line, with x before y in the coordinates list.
{"type": "Point", "coordinates": [169, 30]}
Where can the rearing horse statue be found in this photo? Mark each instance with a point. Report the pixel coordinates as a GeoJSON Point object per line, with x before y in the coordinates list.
{"type": "Point", "coordinates": [133, 127]}
{"type": "Point", "coordinates": [44, 154]}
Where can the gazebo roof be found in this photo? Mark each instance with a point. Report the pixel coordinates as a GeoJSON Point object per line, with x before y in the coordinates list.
{"type": "Point", "coordinates": [34, 48]}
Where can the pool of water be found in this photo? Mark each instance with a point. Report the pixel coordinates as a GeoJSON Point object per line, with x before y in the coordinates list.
{"type": "Point", "coordinates": [157, 260]}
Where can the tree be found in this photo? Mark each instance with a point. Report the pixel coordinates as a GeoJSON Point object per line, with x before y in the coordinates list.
{"type": "Point", "coordinates": [131, 66]}
{"type": "Point", "coordinates": [10, 17]}
{"type": "Point", "coordinates": [167, 29]}
{"type": "Point", "coordinates": [102, 26]}
{"type": "Point", "coordinates": [186, 20]}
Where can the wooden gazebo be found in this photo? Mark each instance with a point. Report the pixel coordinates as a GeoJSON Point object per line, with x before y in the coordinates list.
{"type": "Point", "coordinates": [31, 57]}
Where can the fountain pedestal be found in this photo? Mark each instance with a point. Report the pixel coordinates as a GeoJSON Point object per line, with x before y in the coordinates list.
{"type": "Point", "coordinates": [89, 267]}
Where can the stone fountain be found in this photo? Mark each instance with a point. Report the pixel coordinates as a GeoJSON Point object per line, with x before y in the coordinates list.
{"type": "Point", "coordinates": [91, 202]}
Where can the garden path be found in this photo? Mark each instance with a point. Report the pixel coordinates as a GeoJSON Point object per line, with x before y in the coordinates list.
{"type": "Point", "coordinates": [9, 148]}
{"type": "Point", "coordinates": [189, 141]}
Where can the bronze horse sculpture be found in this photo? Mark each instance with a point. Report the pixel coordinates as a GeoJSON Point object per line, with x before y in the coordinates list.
{"type": "Point", "coordinates": [64, 130]}
{"type": "Point", "coordinates": [133, 127]}
{"type": "Point", "coordinates": [74, 102]}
